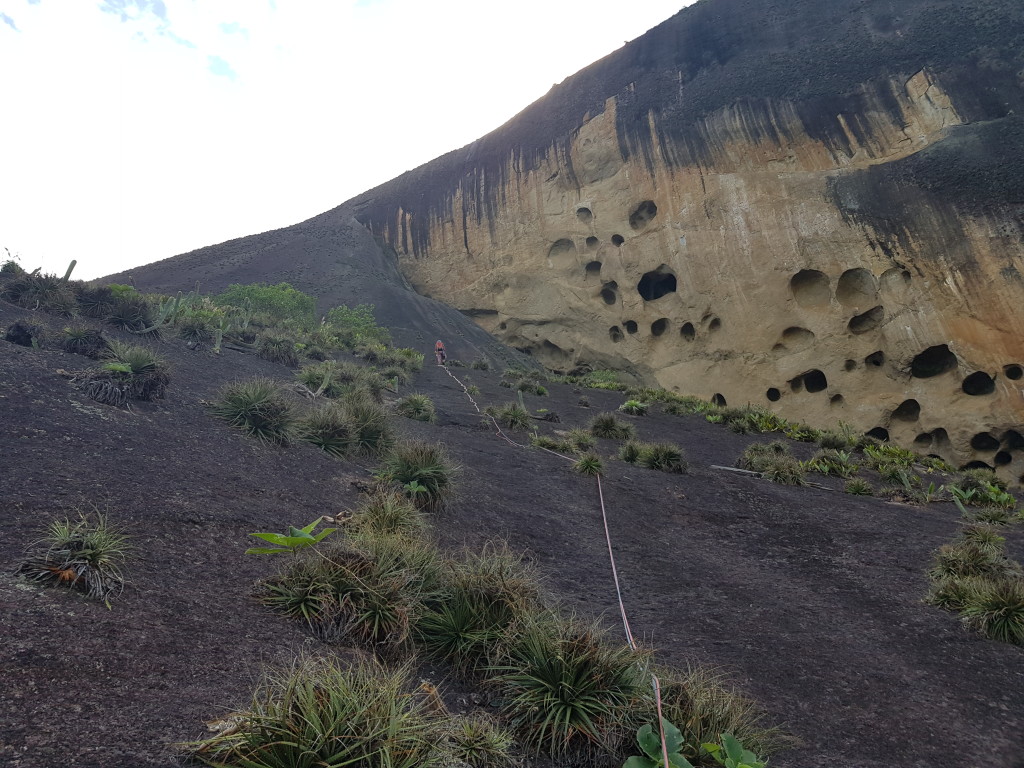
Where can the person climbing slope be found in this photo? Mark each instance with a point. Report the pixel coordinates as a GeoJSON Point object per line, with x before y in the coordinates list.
{"type": "Point", "coordinates": [440, 353]}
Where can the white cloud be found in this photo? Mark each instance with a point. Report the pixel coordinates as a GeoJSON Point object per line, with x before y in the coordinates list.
{"type": "Point", "coordinates": [149, 128]}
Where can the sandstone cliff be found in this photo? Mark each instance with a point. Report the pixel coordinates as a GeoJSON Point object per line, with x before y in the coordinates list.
{"type": "Point", "coordinates": [815, 206]}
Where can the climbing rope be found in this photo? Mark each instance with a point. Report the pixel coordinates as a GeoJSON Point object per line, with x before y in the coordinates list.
{"type": "Point", "coordinates": [655, 684]}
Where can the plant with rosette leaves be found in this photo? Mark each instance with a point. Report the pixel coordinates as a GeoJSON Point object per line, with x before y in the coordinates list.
{"type": "Point", "coordinates": [293, 541]}
{"type": "Point", "coordinates": [654, 756]}
{"type": "Point", "coordinates": [731, 753]}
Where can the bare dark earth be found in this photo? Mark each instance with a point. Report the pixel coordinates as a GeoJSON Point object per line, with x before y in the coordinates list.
{"type": "Point", "coordinates": [811, 597]}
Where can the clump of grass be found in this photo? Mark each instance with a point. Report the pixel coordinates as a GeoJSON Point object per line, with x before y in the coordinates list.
{"type": "Point", "coordinates": [389, 512]}
{"type": "Point", "coordinates": [278, 349]}
{"type": "Point", "coordinates": [423, 469]}
{"type": "Point", "coordinates": [608, 425]}
{"type": "Point", "coordinates": [996, 609]}
{"type": "Point", "coordinates": [832, 440]}
{"type": "Point", "coordinates": [630, 451]}
{"type": "Point", "coordinates": [524, 381]}
{"type": "Point", "coordinates": [990, 515]}
{"type": "Point", "coordinates": [567, 691]}
{"type": "Point", "coordinates": [259, 407]}
{"type": "Point", "coordinates": [967, 559]}
{"type": "Point", "coordinates": [368, 420]}
{"type": "Point", "coordinates": [634, 408]}
{"type": "Point", "coordinates": [512, 415]}
{"type": "Point", "coordinates": [551, 444]}
{"type": "Point", "coordinates": [417, 407]}
{"type": "Point", "coordinates": [130, 311]}
{"type": "Point", "coordinates": [326, 378]}
{"type": "Point", "coordinates": [328, 428]}
{"type": "Point", "coordinates": [705, 705]}
{"type": "Point", "coordinates": [588, 464]}
{"type": "Point", "coordinates": [581, 439]}
{"type": "Point", "coordinates": [37, 290]}
{"type": "Point", "coordinates": [831, 461]}
{"type": "Point", "coordinates": [84, 554]}
{"type": "Point", "coordinates": [130, 373]}
{"type": "Point", "coordinates": [473, 389]}
{"type": "Point", "coordinates": [321, 712]}
{"type": "Point", "coordinates": [82, 340]}
{"type": "Point", "coordinates": [858, 487]}
{"type": "Point", "coordinates": [479, 742]}
{"type": "Point", "coordinates": [664, 457]}
{"type": "Point", "coordinates": [684, 405]}
{"type": "Point", "coordinates": [480, 364]}
{"type": "Point", "coordinates": [752, 419]}
{"type": "Point", "coordinates": [774, 461]}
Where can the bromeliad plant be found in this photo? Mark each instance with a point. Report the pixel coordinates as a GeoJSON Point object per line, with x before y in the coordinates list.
{"type": "Point", "coordinates": [291, 542]}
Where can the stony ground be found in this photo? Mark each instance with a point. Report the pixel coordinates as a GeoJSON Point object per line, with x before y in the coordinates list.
{"type": "Point", "coordinates": [810, 598]}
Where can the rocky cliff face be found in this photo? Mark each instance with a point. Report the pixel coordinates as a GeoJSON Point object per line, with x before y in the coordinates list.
{"type": "Point", "coordinates": [816, 207]}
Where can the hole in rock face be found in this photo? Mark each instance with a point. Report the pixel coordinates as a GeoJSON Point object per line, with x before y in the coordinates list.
{"type": "Point", "coordinates": [940, 436]}
{"type": "Point", "coordinates": [977, 465]}
{"type": "Point", "coordinates": [562, 252]}
{"type": "Point", "coordinates": [618, 240]}
{"type": "Point", "coordinates": [836, 400]}
{"type": "Point", "coordinates": [688, 332]}
{"type": "Point", "coordinates": [658, 327]}
{"type": "Point", "coordinates": [715, 324]}
{"type": "Point", "coordinates": [879, 433]}
{"type": "Point", "coordinates": [630, 326]}
{"type": "Point", "coordinates": [894, 281]}
{"type": "Point", "coordinates": [584, 214]}
{"type": "Point", "coordinates": [908, 410]}
{"type": "Point", "coordinates": [923, 440]}
{"type": "Point", "coordinates": [795, 337]}
{"type": "Point", "coordinates": [643, 214]}
{"type": "Point", "coordinates": [1013, 440]}
{"type": "Point", "coordinates": [610, 293]}
{"type": "Point", "coordinates": [796, 384]}
{"type": "Point", "coordinates": [979, 383]}
{"type": "Point", "coordinates": [875, 359]}
{"type": "Point", "coordinates": [856, 288]}
{"type": "Point", "coordinates": [773, 394]}
{"type": "Point", "coordinates": [594, 269]}
{"type": "Point", "coordinates": [850, 365]}
{"type": "Point", "coordinates": [933, 362]}
{"type": "Point", "coordinates": [810, 288]}
{"type": "Point", "coordinates": [869, 321]}
{"type": "Point", "coordinates": [653, 285]}
{"type": "Point", "coordinates": [719, 400]}
{"type": "Point", "coordinates": [815, 381]}
{"type": "Point", "coordinates": [1013, 372]}
{"type": "Point", "coordinates": [983, 441]}
{"type": "Point", "coordinates": [615, 334]}
{"type": "Point", "coordinates": [1003, 458]}
{"type": "Point", "coordinates": [502, 326]}
{"type": "Point", "coordinates": [592, 243]}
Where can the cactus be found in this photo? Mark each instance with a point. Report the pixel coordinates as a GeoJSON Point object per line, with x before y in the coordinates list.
{"type": "Point", "coordinates": [71, 268]}
{"type": "Point", "coordinates": [164, 313]}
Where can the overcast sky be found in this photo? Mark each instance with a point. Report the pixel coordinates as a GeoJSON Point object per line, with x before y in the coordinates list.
{"type": "Point", "coordinates": [133, 130]}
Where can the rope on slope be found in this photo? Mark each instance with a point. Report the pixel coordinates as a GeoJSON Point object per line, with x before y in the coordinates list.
{"type": "Point", "coordinates": [655, 684]}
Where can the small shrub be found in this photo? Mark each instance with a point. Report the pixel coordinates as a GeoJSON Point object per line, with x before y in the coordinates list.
{"type": "Point", "coordinates": [589, 464]}
{"type": "Point", "coordinates": [258, 406]}
{"type": "Point", "coordinates": [607, 425]}
{"type": "Point", "coordinates": [786, 471]}
{"type": "Point", "coordinates": [84, 554]}
{"type": "Point", "coordinates": [130, 373]}
{"type": "Point", "coordinates": [801, 433]}
{"type": "Point", "coordinates": [837, 441]}
{"type": "Point", "coordinates": [630, 451]}
{"type": "Point", "coordinates": [327, 427]}
{"type": "Point", "coordinates": [327, 378]}
{"type": "Point", "coordinates": [985, 537]}
{"type": "Point", "coordinates": [968, 559]}
{"type": "Point", "coordinates": [581, 439]}
{"type": "Point", "coordinates": [278, 350]}
{"type": "Point", "coordinates": [40, 291]}
{"type": "Point", "coordinates": [759, 456]}
{"type": "Point", "coordinates": [396, 374]}
{"type": "Point", "coordinates": [551, 444]}
{"type": "Point", "coordinates": [664, 457]}
{"type": "Point", "coordinates": [417, 407]}
{"type": "Point", "coordinates": [80, 340]}
{"type": "Point", "coordinates": [634, 408]}
{"type": "Point", "coordinates": [427, 465]}
{"type": "Point", "coordinates": [523, 381]}
{"type": "Point", "coordinates": [513, 416]}
{"type": "Point", "coordinates": [389, 512]}
{"type": "Point", "coordinates": [990, 515]}
{"type": "Point", "coordinates": [321, 712]}
{"type": "Point", "coordinates": [685, 405]}
{"type": "Point", "coordinates": [372, 432]}
{"type": "Point", "coordinates": [480, 364]}
{"type": "Point", "coordinates": [131, 311]}
{"type": "Point", "coordinates": [858, 487]}
{"type": "Point", "coordinates": [996, 609]}
{"type": "Point", "coordinates": [277, 303]}
{"type": "Point", "coordinates": [831, 461]}
{"type": "Point", "coordinates": [473, 389]}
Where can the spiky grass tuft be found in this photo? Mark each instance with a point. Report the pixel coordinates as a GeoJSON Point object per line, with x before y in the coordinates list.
{"type": "Point", "coordinates": [589, 464]}
{"type": "Point", "coordinates": [259, 407]}
{"type": "Point", "coordinates": [417, 407]}
{"type": "Point", "coordinates": [423, 469]}
{"type": "Point", "coordinates": [996, 609]}
{"type": "Point", "coordinates": [608, 425]}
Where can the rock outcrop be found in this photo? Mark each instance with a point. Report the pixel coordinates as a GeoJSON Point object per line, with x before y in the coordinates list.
{"type": "Point", "coordinates": [814, 206]}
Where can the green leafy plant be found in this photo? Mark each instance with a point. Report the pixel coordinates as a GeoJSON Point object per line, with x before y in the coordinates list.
{"type": "Point", "coordinates": [390, 512]}
{"type": "Point", "coordinates": [858, 487]}
{"type": "Point", "coordinates": [774, 461]}
{"type": "Point", "coordinates": [831, 461]}
{"type": "Point", "coordinates": [996, 609]}
{"type": "Point", "coordinates": [84, 554]}
{"type": "Point", "coordinates": [278, 349]}
{"type": "Point", "coordinates": [731, 753]}
{"type": "Point", "coordinates": [655, 753]}
{"type": "Point", "coordinates": [513, 416]}
{"type": "Point", "coordinates": [417, 407]}
{"type": "Point", "coordinates": [424, 463]}
{"type": "Point", "coordinates": [291, 542]}
{"type": "Point", "coordinates": [355, 325]}
{"type": "Point", "coordinates": [82, 340]}
{"type": "Point", "coordinates": [588, 464]}
{"type": "Point", "coordinates": [473, 389]}
{"type": "Point", "coordinates": [664, 457]}
{"type": "Point", "coordinates": [634, 408]}
{"type": "Point", "coordinates": [130, 373]}
{"type": "Point", "coordinates": [608, 425]}
{"type": "Point", "coordinates": [258, 406]}
{"type": "Point", "coordinates": [279, 302]}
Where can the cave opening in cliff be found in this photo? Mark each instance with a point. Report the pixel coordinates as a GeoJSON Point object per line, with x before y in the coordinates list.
{"type": "Point", "coordinates": [850, 365]}
{"type": "Point", "coordinates": [837, 400]}
{"type": "Point", "coordinates": [773, 395]}
{"type": "Point", "coordinates": [1013, 372]}
{"type": "Point", "coordinates": [978, 383]}
{"type": "Point", "coordinates": [856, 288]}
{"type": "Point", "coordinates": [715, 324]}
{"type": "Point", "coordinates": [688, 332]}
{"type": "Point", "coordinates": [879, 433]}
{"type": "Point", "coordinates": [1013, 440]}
{"type": "Point", "coordinates": [933, 362]}
{"type": "Point", "coordinates": [796, 384]}
{"type": "Point", "coordinates": [941, 437]}
{"type": "Point", "coordinates": [866, 322]}
{"type": "Point", "coordinates": [1002, 458]}
{"type": "Point", "coordinates": [815, 381]}
{"type": "Point", "coordinates": [593, 269]}
{"type": "Point", "coordinates": [875, 359]}
{"type": "Point", "coordinates": [810, 288]}
{"type": "Point", "coordinates": [584, 214]}
{"type": "Point", "coordinates": [976, 464]}
{"type": "Point", "coordinates": [658, 327]}
{"type": "Point", "coordinates": [895, 281]}
{"type": "Point", "coordinates": [643, 215]}
{"type": "Point", "coordinates": [719, 400]}
{"type": "Point", "coordinates": [631, 326]}
{"type": "Point", "coordinates": [984, 441]}
{"type": "Point", "coordinates": [796, 337]}
{"type": "Point", "coordinates": [618, 240]}
{"type": "Point", "coordinates": [615, 334]}
{"type": "Point", "coordinates": [562, 253]}
{"type": "Point", "coordinates": [923, 440]}
{"type": "Point", "coordinates": [908, 410]}
{"type": "Point", "coordinates": [592, 243]}
{"type": "Point", "coordinates": [657, 284]}
{"type": "Point", "coordinates": [610, 292]}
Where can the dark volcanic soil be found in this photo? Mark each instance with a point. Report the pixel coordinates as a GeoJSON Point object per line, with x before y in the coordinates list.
{"type": "Point", "coordinates": [811, 597]}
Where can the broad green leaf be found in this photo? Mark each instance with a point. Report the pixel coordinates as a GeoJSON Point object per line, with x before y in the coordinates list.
{"type": "Point", "coordinates": [678, 761]}
{"type": "Point", "coordinates": [673, 737]}
{"type": "Point", "coordinates": [266, 550]}
{"type": "Point", "coordinates": [298, 533]}
{"type": "Point", "coordinates": [324, 534]}
{"type": "Point", "coordinates": [637, 762]}
{"type": "Point", "coordinates": [733, 748]}
{"type": "Point", "coordinates": [273, 538]}
{"type": "Point", "coordinates": [309, 528]}
{"type": "Point", "coordinates": [649, 740]}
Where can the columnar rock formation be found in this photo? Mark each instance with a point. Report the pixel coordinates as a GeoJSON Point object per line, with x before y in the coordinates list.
{"type": "Point", "coordinates": [812, 206]}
